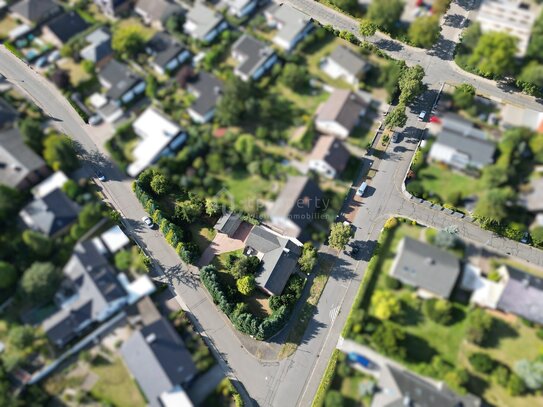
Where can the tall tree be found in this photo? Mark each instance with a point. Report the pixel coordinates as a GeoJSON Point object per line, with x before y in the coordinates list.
{"type": "Point", "coordinates": [38, 243]}
{"type": "Point", "coordinates": [464, 95]}
{"type": "Point", "coordinates": [385, 13]}
{"type": "Point", "coordinates": [128, 40]}
{"type": "Point", "coordinates": [492, 206]}
{"type": "Point", "coordinates": [32, 133]}
{"type": "Point", "coordinates": [40, 282]}
{"type": "Point", "coordinates": [367, 28]}
{"type": "Point", "coordinates": [396, 118]}
{"type": "Point", "coordinates": [59, 153]}
{"type": "Point", "coordinates": [494, 55]}
{"type": "Point", "coordinates": [424, 31]}
{"type": "Point", "coordinates": [340, 234]}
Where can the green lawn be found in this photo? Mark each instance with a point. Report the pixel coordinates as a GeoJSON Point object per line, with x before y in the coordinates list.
{"type": "Point", "coordinates": [6, 25]}
{"type": "Point", "coordinates": [445, 183]}
{"type": "Point", "coordinates": [202, 234]}
{"type": "Point", "coordinates": [307, 102]}
{"type": "Point", "coordinates": [247, 189]}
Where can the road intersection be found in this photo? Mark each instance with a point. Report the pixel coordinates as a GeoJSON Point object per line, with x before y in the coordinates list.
{"type": "Point", "coordinates": [292, 381]}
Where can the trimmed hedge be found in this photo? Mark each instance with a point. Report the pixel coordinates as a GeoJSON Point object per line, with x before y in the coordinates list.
{"type": "Point", "coordinates": [326, 381]}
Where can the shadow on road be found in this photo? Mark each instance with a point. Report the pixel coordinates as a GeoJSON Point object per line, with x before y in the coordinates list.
{"type": "Point", "coordinates": [443, 49]}
{"type": "Point", "coordinates": [389, 45]}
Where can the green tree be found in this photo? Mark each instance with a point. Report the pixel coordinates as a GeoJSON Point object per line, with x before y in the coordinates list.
{"type": "Point", "coordinates": [515, 386]}
{"type": "Point", "coordinates": [439, 7]}
{"type": "Point", "coordinates": [385, 13]}
{"type": "Point", "coordinates": [21, 337]}
{"type": "Point", "coordinates": [159, 184]}
{"type": "Point", "coordinates": [59, 153]}
{"type": "Point", "coordinates": [537, 235]}
{"type": "Point", "coordinates": [367, 28]}
{"type": "Point", "coordinates": [128, 40]}
{"type": "Point", "coordinates": [32, 133]}
{"type": "Point", "coordinates": [385, 305]}
{"type": "Point", "coordinates": [212, 207]}
{"type": "Point", "coordinates": [350, 6]}
{"type": "Point", "coordinates": [188, 210]}
{"type": "Point", "coordinates": [389, 78]}
{"type": "Point", "coordinates": [494, 176]}
{"type": "Point", "coordinates": [481, 362]}
{"type": "Point", "coordinates": [246, 284]}
{"type": "Point", "coordinates": [494, 55]}
{"type": "Point", "coordinates": [245, 145]}
{"type": "Point", "coordinates": [334, 399]}
{"type": "Point", "coordinates": [151, 86]}
{"type": "Point", "coordinates": [478, 325]}
{"type": "Point", "coordinates": [8, 275]}
{"type": "Point", "coordinates": [389, 339]}
{"type": "Point", "coordinates": [531, 78]}
{"type": "Point", "coordinates": [174, 23]}
{"type": "Point", "coordinates": [531, 373]}
{"type": "Point", "coordinates": [89, 216]}
{"type": "Point", "coordinates": [40, 282]}
{"type": "Point", "coordinates": [123, 260]}
{"type": "Point", "coordinates": [535, 46]}
{"type": "Point", "coordinates": [457, 379]}
{"type": "Point", "coordinates": [340, 234]}
{"type": "Point", "coordinates": [438, 310]}
{"type": "Point", "coordinates": [396, 118]}
{"type": "Point", "coordinates": [411, 84]}
{"type": "Point", "coordinates": [471, 36]}
{"type": "Point", "coordinates": [295, 76]}
{"type": "Point", "coordinates": [424, 31]}
{"type": "Point", "coordinates": [464, 95]}
{"type": "Point", "coordinates": [308, 259]}
{"type": "Point", "coordinates": [10, 202]}
{"type": "Point", "coordinates": [492, 206]}
{"type": "Point", "coordinates": [244, 266]}
{"type": "Point", "coordinates": [233, 104]}
{"type": "Point", "coordinates": [39, 244]}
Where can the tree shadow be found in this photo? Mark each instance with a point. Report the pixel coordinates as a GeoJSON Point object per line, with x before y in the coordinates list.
{"type": "Point", "coordinates": [500, 330]}
{"type": "Point", "coordinates": [389, 45]}
{"type": "Point", "coordinates": [411, 315]}
{"type": "Point", "coordinates": [418, 349]}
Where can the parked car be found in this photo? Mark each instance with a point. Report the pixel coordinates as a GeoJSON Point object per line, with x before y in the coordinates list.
{"type": "Point", "coordinates": [95, 120]}
{"type": "Point", "coordinates": [41, 62]}
{"type": "Point", "coordinates": [422, 116]}
{"type": "Point", "coordinates": [357, 358]}
{"type": "Point", "coordinates": [53, 56]}
{"type": "Point", "coordinates": [148, 222]}
{"type": "Point", "coordinates": [361, 189]}
{"type": "Point", "coordinates": [99, 174]}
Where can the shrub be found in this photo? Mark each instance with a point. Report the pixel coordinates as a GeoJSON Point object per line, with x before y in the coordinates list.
{"type": "Point", "coordinates": [389, 339]}
{"type": "Point", "coordinates": [479, 324]}
{"type": "Point", "coordinates": [334, 399]}
{"type": "Point", "coordinates": [501, 375]}
{"type": "Point", "coordinates": [392, 283]}
{"type": "Point", "coordinates": [438, 310]}
{"type": "Point", "coordinates": [391, 223]}
{"type": "Point", "coordinates": [515, 385]}
{"type": "Point", "coordinates": [246, 285]}
{"type": "Point", "coordinates": [481, 362]}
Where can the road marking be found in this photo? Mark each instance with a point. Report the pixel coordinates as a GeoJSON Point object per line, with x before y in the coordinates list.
{"type": "Point", "coordinates": [333, 313]}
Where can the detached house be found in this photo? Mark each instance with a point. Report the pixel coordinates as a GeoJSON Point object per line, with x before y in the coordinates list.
{"type": "Point", "coordinates": [63, 28]}
{"type": "Point", "coordinates": [254, 58]}
{"type": "Point", "coordinates": [344, 63]}
{"type": "Point", "coordinates": [157, 12]}
{"type": "Point", "coordinates": [241, 8]}
{"type": "Point", "coordinates": [292, 25]}
{"type": "Point", "coordinates": [34, 12]}
{"type": "Point", "coordinates": [167, 54]}
{"type": "Point", "coordinates": [98, 51]}
{"type": "Point", "coordinates": [203, 23]}
{"type": "Point", "coordinates": [329, 157]}
{"type": "Point", "coordinates": [207, 89]}
{"type": "Point", "coordinates": [341, 113]}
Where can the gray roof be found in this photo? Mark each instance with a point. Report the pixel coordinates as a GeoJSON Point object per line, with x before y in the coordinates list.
{"type": "Point", "coordinates": [158, 359]}
{"type": "Point", "coordinates": [92, 281]}
{"type": "Point", "coordinates": [120, 77]}
{"type": "Point", "coordinates": [204, 19]}
{"type": "Point", "coordinates": [425, 266]}
{"type": "Point", "coordinates": [292, 21]}
{"type": "Point", "coordinates": [52, 213]}
{"type": "Point", "coordinates": [279, 260]}
{"type": "Point", "coordinates": [17, 160]}
{"type": "Point", "coordinates": [458, 124]}
{"type": "Point", "coordinates": [480, 152]}
{"type": "Point", "coordinates": [158, 10]}
{"type": "Point", "coordinates": [533, 199]}
{"type": "Point", "coordinates": [523, 295]}
{"type": "Point", "coordinates": [99, 45]}
{"type": "Point", "coordinates": [67, 25]}
{"type": "Point", "coordinates": [207, 89]}
{"type": "Point", "coordinates": [36, 10]}
{"type": "Point", "coordinates": [349, 60]}
{"type": "Point", "coordinates": [332, 151]}
{"type": "Point", "coordinates": [228, 223]}
{"type": "Point", "coordinates": [8, 114]}
{"type": "Point", "coordinates": [298, 200]}
{"type": "Point", "coordinates": [254, 53]}
{"type": "Point", "coordinates": [343, 107]}
{"type": "Point", "coordinates": [164, 48]}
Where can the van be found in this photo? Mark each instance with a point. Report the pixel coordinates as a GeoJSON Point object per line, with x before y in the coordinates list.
{"type": "Point", "coordinates": [361, 189]}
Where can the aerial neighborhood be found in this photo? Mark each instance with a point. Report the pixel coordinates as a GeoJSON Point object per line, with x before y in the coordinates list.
{"type": "Point", "coordinates": [271, 203]}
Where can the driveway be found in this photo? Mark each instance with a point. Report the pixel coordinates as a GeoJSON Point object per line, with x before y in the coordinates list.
{"type": "Point", "coordinates": [222, 243]}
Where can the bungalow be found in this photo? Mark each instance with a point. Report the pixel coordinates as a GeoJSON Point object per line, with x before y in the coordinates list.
{"type": "Point", "coordinates": [341, 113]}
{"type": "Point", "coordinates": [90, 293]}
{"type": "Point", "coordinates": [241, 8]}
{"type": "Point", "coordinates": [296, 205]}
{"type": "Point", "coordinates": [343, 63]}
{"type": "Point", "coordinates": [254, 58]}
{"type": "Point", "coordinates": [34, 12]}
{"type": "Point", "coordinates": [20, 167]}
{"type": "Point", "coordinates": [166, 53]}
{"type": "Point", "coordinates": [203, 23]}
{"type": "Point", "coordinates": [156, 12]}
{"type": "Point", "coordinates": [292, 25]}
{"type": "Point", "coordinates": [63, 28]}
{"type": "Point", "coordinates": [51, 214]}
{"type": "Point", "coordinates": [160, 362]}
{"type": "Point", "coordinates": [98, 51]}
{"type": "Point", "coordinates": [329, 156]}
{"type": "Point", "coordinates": [160, 137]}
{"type": "Point", "coordinates": [207, 89]}
{"type": "Point", "coordinates": [432, 270]}
{"type": "Point", "coordinates": [278, 255]}
{"type": "Point", "coordinates": [113, 8]}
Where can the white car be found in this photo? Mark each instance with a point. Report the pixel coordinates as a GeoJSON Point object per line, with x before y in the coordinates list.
{"type": "Point", "coordinates": [148, 222]}
{"type": "Point", "coordinates": [361, 189]}
{"type": "Point", "coordinates": [95, 120]}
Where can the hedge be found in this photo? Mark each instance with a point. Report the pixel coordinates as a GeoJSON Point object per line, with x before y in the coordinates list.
{"type": "Point", "coordinates": [326, 381]}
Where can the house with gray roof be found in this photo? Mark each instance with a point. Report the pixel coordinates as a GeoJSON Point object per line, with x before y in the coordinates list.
{"type": "Point", "coordinates": [51, 214]}
{"type": "Point", "coordinates": [34, 12]}
{"type": "Point", "coordinates": [98, 49]}
{"type": "Point", "coordinates": [341, 113]}
{"type": "Point", "coordinates": [167, 54]}
{"type": "Point", "coordinates": [63, 28]}
{"type": "Point", "coordinates": [203, 23]}
{"type": "Point", "coordinates": [292, 25]}
{"type": "Point", "coordinates": [430, 269]}
{"type": "Point", "coordinates": [278, 258]}
{"type": "Point", "coordinates": [228, 223]}
{"type": "Point", "coordinates": [160, 362]}
{"type": "Point", "coordinates": [157, 12]}
{"type": "Point", "coordinates": [254, 58]}
{"type": "Point", "coordinates": [113, 8]}
{"type": "Point", "coordinates": [20, 167]}
{"type": "Point", "coordinates": [207, 90]}
{"type": "Point", "coordinates": [329, 156]}
{"type": "Point", "coordinates": [296, 206]}
{"type": "Point", "coordinates": [399, 387]}
{"type": "Point", "coordinates": [241, 8]}
{"type": "Point", "coordinates": [346, 64]}
{"type": "Point", "coordinates": [90, 293]}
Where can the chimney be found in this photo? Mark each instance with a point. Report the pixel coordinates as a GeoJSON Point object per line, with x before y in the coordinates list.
{"type": "Point", "coordinates": [150, 338]}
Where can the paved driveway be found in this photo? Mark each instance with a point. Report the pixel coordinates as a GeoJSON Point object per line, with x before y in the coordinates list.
{"type": "Point", "coordinates": [222, 243]}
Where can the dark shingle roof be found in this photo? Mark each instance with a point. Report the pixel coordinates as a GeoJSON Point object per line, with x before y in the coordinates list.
{"type": "Point", "coordinates": [207, 89]}
{"type": "Point", "coordinates": [120, 77]}
{"type": "Point", "coordinates": [17, 160]}
{"type": "Point", "coordinates": [228, 223]}
{"type": "Point", "coordinates": [426, 266]}
{"type": "Point", "coordinates": [36, 10]}
{"type": "Point", "coordinates": [332, 151]}
{"type": "Point", "coordinates": [8, 114]}
{"type": "Point", "coordinates": [523, 295]}
{"type": "Point", "coordinates": [67, 26]}
{"type": "Point", "coordinates": [253, 52]}
{"type": "Point", "coordinates": [158, 10]}
{"type": "Point", "coordinates": [164, 48]}
{"type": "Point", "coordinates": [158, 359]}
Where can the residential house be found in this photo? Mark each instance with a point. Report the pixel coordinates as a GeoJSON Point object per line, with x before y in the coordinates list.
{"type": "Point", "coordinates": [51, 214]}
{"type": "Point", "coordinates": [399, 387]}
{"type": "Point", "coordinates": [278, 257]}
{"type": "Point", "coordinates": [111, 241]}
{"type": "Point", "coordinates": [98, 49]}
{"type": "Point", "coordinates": [514, 17]}
{"type": "Point", "coordinates": [228, 223]}
{"type": "Point", "coordinates": [203, 23]}
{"type": "Point", "coordinates": [254, 58]}
{"type": "Point", "coordinates": [430, 269]}
{"type": "Point", "coordinates": [8, 115]}
{"type": "Point", "coordinates": [63, 28]}
{"type": "Point", "coordinates": [344, 63]}
{"type": "Point", "coordinates": [34, 12]}
{"type": "Point", "coordinates": [207, 89]}
{"type": "Point", "coordinates": [160, 362]}
{"type": "Point", "coordinates": [241, 8]}
{"type": "Point", "coordinates": [90, 293]}
{"type": "Point", "coordinates": [167, 54]}
{"type": "Point", "coordinates": [159, 136]}
{"type": "Point", "coordinates": [292, 25]}
{"type": "Point", "coordinates": [157, 12]}
{"type": "Point", "coordinates": [113, 8]}
{"type": "Point", "coordinates": [341, 113]}
{"type": "Point", "coordinates": [329, 156]}
{"type": "Point", "coordinates": [296, 205]}
{"type": "Point", "coordinates": [515, 116]}
{"type": "Point", "coordinates": [20, 167]}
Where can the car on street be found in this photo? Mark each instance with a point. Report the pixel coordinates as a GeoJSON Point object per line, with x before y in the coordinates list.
{"type": "Point", "coordinates": [361, 360]}
{"type": "Point", "coordinates": [148, 222]}
{"type": "Point", "coordinates": [422, 116]}
{"type": "Point", "coordinates": [99, 174]}
{"type": "Point", "coordinates": [361, 189]}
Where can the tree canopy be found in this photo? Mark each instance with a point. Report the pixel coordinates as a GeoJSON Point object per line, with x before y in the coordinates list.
{"type": "Point", "coordinates": [385, 13]}
{"type": "Point", "coordinates": [396, 118]}
{"type": "Point", "coordinates": [494, 54]}
{"type": "Point", "coordinates": [128, 39]}
{"type": "Point", "coordinates": [367, 28]}
{"type": "Point", "coordinates": [40, 282]}
{"type": "Point", "coordinates": [424, 31]}
{"type": "Point", "coordinates": [59, 153]}
{"type": "Point", "coordinates": [464, 95]}
{"type": "Point", "coordinates": [340, 234]}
